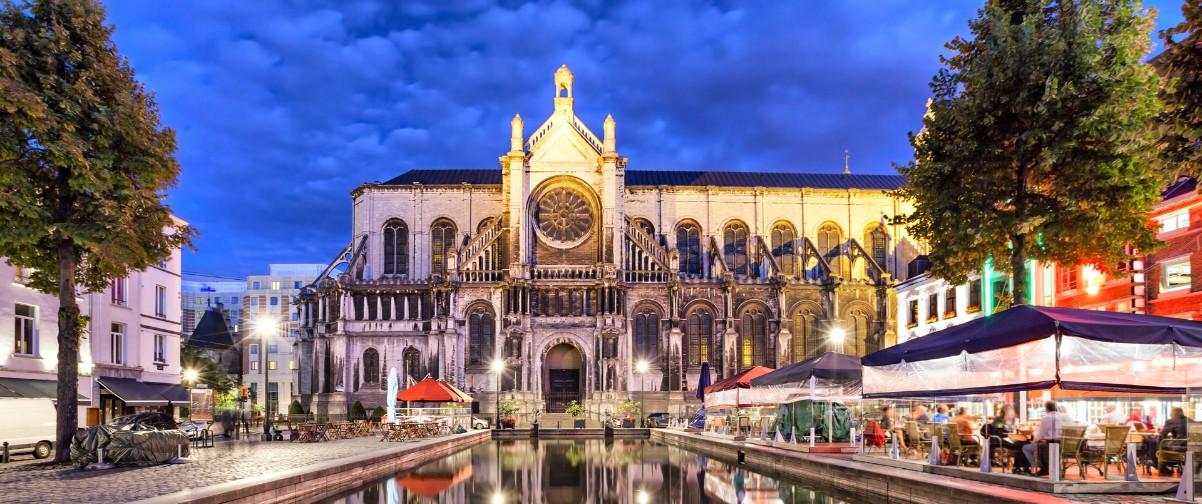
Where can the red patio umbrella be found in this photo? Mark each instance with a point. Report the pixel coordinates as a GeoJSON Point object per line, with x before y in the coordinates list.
{"type": "Point", "coordinates": [741, 380]}
{"type": "Point", "coordinates": [431, 390]}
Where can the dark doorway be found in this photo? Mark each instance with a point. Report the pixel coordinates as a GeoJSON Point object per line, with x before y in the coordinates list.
{"type": "Point", "coordinates": [563, 388]}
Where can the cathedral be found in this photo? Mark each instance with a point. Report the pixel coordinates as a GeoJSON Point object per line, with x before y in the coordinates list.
{"type": "Point", "coordinates": [582, 280]}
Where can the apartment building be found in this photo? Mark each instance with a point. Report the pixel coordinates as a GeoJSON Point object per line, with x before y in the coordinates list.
{"type": "Point", "coordinates": [202, 292]}
{"type": "Point", "coordinates": [268, 327]}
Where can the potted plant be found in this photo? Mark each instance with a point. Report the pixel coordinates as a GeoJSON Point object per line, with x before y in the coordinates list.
{"type": "Point", "coordinates": [629, 410]}
{"type": "Point", "coordinates": [576, 410]}
{"type": "Point", "coordinates": [508, 409]}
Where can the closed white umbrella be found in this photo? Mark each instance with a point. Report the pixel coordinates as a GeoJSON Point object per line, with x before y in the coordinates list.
{"type": "Point", "coordinates": [392, 392]}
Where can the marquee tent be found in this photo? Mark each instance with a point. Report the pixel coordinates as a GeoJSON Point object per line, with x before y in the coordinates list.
{"type": "Point", "coordinates": [733, 392]}
{"type": "Point", "coordinates": [1035, 347]}
{"type": "Point", "coordinates": [830, 376]}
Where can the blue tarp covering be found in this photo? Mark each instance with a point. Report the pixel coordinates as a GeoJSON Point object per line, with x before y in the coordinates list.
{"type": "Point", "coordinates": [1024, 323]}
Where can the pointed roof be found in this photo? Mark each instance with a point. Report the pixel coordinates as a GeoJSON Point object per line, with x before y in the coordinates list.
{"type": "Point", "coordinates": [212, 331]}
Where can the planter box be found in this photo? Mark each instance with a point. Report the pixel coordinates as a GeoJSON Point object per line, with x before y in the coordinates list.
{"type": "Point", "coordinates": [579, 424]}
{"type": "Point", "coordinates": [628, 423]}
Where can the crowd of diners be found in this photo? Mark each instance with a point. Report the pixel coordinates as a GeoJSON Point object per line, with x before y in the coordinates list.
{"type": "Point", "coordinates": [1027, 442]}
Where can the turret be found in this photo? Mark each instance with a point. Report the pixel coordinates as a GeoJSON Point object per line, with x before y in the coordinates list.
{"type": "Point", "coordinates": [611, 140]}
{"type": "Point", "coordinates": [515, 135]}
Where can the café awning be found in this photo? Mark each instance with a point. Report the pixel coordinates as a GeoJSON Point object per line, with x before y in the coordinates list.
{"type": "Point", "coordinates": [136, 393]}
{"type": "Point", "coordinates": [431, 390]}
{"type": "Point", "coordinates": [1037, 347]}
{"type": "Point", "coordinates": [830, 376]}
{"type": "Point", "coordinates": [22, 388]}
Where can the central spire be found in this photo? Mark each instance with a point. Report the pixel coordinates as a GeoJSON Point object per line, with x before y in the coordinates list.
{"type": "Point", "coordinates": [563, 89]}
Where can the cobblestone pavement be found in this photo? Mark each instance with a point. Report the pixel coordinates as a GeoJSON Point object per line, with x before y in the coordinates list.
{"type": "Point", "coordinates": [227, 461]}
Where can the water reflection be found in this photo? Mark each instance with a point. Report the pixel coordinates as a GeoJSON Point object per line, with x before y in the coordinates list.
{"type": "Point", "coordinates": [579, 471]}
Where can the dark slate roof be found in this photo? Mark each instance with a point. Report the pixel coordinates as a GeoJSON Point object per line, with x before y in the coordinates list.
{"type": "Point", "coordinates": [678, 178]}
{"type": "Point", "coordinates": [1183, 185]}
{"type": "Point", "coordinates": [211, 331]}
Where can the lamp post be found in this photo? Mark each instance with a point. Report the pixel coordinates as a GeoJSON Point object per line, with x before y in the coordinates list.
{"type": "Point", "coordinates": [264, 326]}
{"type": "Point", "coordinates": [641, 368]}
{"type": "Point", "coordinates": [498, 367]}
{"type": "Point", "coordinates": [837, 336]}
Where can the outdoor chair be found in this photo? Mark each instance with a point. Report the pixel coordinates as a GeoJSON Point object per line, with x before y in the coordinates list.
{"type": "Point", "coordinates": [874, 435]}
{"type": "Point", "coordinates": [1114, 449]}
{"type": "Point", "coordinates": [923, 446]}
{"type": "Point", "coordinates": [963, 452]}
{"type": "Point", "coordinates": [1072, 450]}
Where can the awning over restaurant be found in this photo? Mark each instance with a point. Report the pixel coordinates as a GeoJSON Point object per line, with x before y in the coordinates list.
{"type": "Point", "coordinates": [1036, 347]}
{"type": "Point", "coordinates": [432, 390]}
{"type": "Point", "coordinates": [21, 388]}
{"type": "Point", "coordinates": [136, 393]}
{"type": "Point", "coordinates": [736, 392]}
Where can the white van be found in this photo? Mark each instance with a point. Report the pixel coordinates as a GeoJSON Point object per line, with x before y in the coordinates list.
{"type": "Point", "coordinates": [28, 425]}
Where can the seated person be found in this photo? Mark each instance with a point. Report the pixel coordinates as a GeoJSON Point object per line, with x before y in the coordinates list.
{"type": "Point", "coordinates": [892, 426]}
{"type": "Point", "coordinates": [1048, 430]}
{"type": "Point", "coordinates": [941, 415]}
{"type": "Point", "coordinates": [920, 415]}
{"type": "Point", "coordinates": [1112, 416]}
{"type": "Point", "coordinates": [1175, 426]}
{"type": "Point", "coordinates": [964, 426]}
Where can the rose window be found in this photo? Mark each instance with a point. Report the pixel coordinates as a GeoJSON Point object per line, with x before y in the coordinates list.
{"type": "Point", "coordinates": [563, 216]}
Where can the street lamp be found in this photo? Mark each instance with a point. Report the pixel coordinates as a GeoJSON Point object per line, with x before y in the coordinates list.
{"type": "Point", "coordinates": [837, 335]}
{"type": "Point", "coordinates": [191, 375]}
{"type": "Point", "coordinates": [498, 367]}
{"type": "Point", "coordinates": [265, 326]}
{"type": "Point", "coordinates": [641, 368]}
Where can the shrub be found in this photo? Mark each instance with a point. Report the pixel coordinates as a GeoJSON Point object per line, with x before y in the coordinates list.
{"type": "Point", "coordinates": [357, 411]}
{"type": "Point", "coordinates": [295, 408]}
{"type": "Point", "coordinates": [509, 407]}
{"type": "Point", "coordinates": [575, 409]}
{"type": "Point", "coordinates": [378, 413]}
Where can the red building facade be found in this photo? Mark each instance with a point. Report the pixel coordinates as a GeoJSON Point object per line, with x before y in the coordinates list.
{"type": "Point", "coordinates": [1172, 289]}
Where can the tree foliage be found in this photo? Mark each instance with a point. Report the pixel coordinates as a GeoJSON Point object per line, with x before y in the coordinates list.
{"type": "Point", "coordinates": [1181, 93]}
{"type": "Point", "coordinates": [84, 166]}
{"type": "Point", "coordinates": [209, 371]}
{"type": "Point", "coordinates": [1037, 142]}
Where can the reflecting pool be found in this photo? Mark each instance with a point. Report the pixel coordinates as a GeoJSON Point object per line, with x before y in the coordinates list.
{"type": "Point", "coordinates": [578, 471]}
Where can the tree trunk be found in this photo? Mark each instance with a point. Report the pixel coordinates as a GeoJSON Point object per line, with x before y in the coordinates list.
{"type": "Point", "coordinates": [68, 353]}
{"type": "Point", "coordinates": [1018, 265]}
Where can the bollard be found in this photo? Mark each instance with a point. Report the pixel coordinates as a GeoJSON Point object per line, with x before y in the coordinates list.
{"type": "Point", "coordinates": [100, 456]}
{"type": "Point", "coordinates": [986, 456]}
{"type": "Point", "coordinates": [852, 436]}
{"type": "Point", "coordinates": [1132, 465]}
{"type": "Point", "coordinates": [935, 450]}
{"type": "Point", "coordinates": [894, 452]}
{"type": "Point", "coordinates": [1054, 461]}
{"type": "Point", "coordinates": [793, 436]}
{"type": "Point", "coordinates": [741, 457]}
{"type": "Point", "coordinates": [1185, 489]}
{"type": "Point", "coordinates": [4, 456]}
{"type": "Point", "coordinates": [812, 437]}
{"type": "Point", "coordinates": [778, 439]}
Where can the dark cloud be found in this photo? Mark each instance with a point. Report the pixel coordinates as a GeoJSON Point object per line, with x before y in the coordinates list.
{"type": "Point", "coordinates": [282, 108]}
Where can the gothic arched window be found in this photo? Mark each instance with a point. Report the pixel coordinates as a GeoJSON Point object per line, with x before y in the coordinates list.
{"type": "Point", "coordinates": [755, 347]}
{"type": "Point", "coordinates": [699, 332]}
{"type": "Point", "coordinates": [734, 239]}
{"type": "Point", "coordinates": [646, 336]}
{"type": "Point", "coordinates": [688, 243]}
{"type": "Point", "coordinates": [783, 247]}
{"type": "Point", "coordinates": [412, 360]}
{"type": "Point", "coordinates": [859, 340]}
{"type": "Point", "coordinates": [442, 240]}
{"type": "Point", "coordinates": [371, 366]}
{"type": "Point", "coordinates": [481, 326]}
{"type": "Point", "coordinates": [806, 340]}
{"type": "Point", "coordinates": [876, 240]}
{"type": "Point", "coordinates": [396, 247]}
{"type": "Point", "coordinates": [829, 239]}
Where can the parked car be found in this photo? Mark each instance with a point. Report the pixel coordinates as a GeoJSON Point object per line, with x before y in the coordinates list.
{"type": "Point", "coordinates": [192, 429]}
{"type": "Point", "coordinates": [480, 423]}
{"type": "Point", "coordinates": [658, 420]}
{"type": "Point", "coordinates": [28, 425]}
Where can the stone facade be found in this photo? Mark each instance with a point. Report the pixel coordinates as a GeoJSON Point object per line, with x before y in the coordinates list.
{"type": "Point", "coordinates": [571, 270]}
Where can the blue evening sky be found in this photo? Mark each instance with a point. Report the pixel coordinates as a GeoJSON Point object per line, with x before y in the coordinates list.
{"type": "Point", "coordinates": [282, 108]}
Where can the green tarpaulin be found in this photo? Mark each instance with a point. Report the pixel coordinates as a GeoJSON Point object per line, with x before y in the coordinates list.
{"type": "Point", "coordinates": [801, 415]}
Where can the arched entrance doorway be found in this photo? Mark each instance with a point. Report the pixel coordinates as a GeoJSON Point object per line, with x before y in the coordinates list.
{"type": "Point", "coordinates": [565, 377]}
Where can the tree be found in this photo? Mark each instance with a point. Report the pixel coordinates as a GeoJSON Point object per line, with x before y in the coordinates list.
{"type": "Point", "coordinates": [84, 163]}
{"type": "Point", "coordinates": [1181, 92]}
{"type": "Point", "coordinates": [209, 371]}
{"type": "Point", "coordinates": [1037, 142]}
